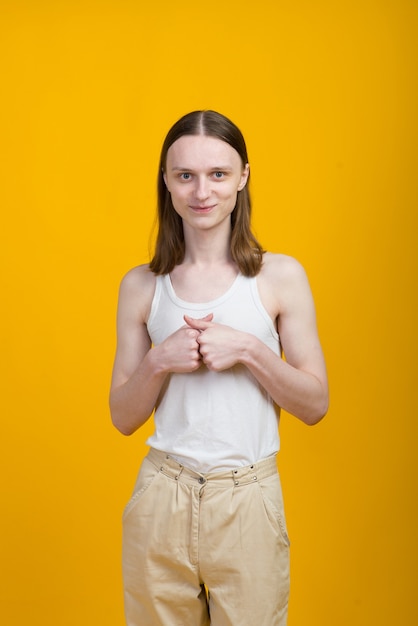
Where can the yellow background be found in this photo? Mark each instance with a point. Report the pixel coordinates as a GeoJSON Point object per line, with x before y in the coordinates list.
{"type": "Point", "coordinates": [326, 95]}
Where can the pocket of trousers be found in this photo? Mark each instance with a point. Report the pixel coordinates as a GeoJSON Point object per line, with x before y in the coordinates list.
{"type": "Point", "coordinates": [271, 492]}
{"type": "Point", "coordinates": [146, 476]}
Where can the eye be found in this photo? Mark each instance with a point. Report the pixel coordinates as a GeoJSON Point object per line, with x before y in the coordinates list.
{"type": "Point", "coordinates": [185, 176]}
{"type": "Point", "coordinates": [219, 175]}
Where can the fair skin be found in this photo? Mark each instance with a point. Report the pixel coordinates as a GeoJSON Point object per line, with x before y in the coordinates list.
{"type": "Point", "coordinates": [203, 175]}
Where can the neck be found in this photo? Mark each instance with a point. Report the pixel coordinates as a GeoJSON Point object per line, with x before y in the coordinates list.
{"type": "Point", "coordinates": [206, 247]}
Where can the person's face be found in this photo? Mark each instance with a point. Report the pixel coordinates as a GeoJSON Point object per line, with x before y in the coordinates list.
{"type": "Point", "coordinates": [203, 175]}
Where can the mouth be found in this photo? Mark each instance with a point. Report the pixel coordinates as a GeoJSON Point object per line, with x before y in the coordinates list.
{"type": "Point", "coordinates": [198, 208]}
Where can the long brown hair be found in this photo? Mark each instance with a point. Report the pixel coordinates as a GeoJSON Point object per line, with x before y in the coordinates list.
{"type": "Point", "coordinates": [170, 247]}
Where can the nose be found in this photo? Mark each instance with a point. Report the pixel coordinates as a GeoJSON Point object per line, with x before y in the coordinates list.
{"type": "Point", "coordinates": [202, 188]}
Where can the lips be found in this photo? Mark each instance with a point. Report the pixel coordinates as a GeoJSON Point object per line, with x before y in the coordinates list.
{"type": "Point", "coordinates": [202, 209]}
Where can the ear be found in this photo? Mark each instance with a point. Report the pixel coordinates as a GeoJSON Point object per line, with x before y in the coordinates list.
{"type": "Point", "coordinates": [244, 177]}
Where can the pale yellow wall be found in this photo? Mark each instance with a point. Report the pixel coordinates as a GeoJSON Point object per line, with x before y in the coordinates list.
{"type": "Point", "coordinates": [325, 93]}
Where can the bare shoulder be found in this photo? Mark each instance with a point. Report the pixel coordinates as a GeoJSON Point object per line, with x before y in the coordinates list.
{"type": "Point", "coordinates": [139, 277]}
{"type": "Point", "coordinates": [135, 298]}
{"type": "Point", "coordinates": [137, 290]}
{"type": "Point", "coordinates": [281, 267]}
{"type": "Point", "coordinates": [282, 284]}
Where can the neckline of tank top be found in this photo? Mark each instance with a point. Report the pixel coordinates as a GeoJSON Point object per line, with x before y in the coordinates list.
{"type": "Point", "coordinates": [175, 298]}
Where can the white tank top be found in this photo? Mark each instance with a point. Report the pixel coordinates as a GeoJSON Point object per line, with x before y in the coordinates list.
{"type": "Point", "coordinates": [214, 421]}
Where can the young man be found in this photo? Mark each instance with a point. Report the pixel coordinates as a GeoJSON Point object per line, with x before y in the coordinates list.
{"type": "Point", "coordinates": [201, 333]}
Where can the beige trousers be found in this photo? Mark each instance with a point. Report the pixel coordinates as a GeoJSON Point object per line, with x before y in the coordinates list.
{"type": "Point", "coordinates": [202, 549]}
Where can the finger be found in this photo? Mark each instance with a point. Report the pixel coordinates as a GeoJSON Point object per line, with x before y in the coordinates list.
{"type": "Point", "coordinates": [207, 318]}
{"type": "Point", "coordinates": [199, 324]}
{"type": "Point", "coordinates": [192, 332]}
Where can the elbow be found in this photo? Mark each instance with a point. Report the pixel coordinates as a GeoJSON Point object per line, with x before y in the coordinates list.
{"type": "Point", "coordinates": [121, 425]}
{"type": "Point", "coordinates": [314, 418]}
{"type": "Point", "coordinates": [120, 420]}
{"type": "Point", "coordinates": [317, 413]}
{"type": "Point", "coordinates": [123, 428]}
{"type": "Point", "coordinates": [319, 406]}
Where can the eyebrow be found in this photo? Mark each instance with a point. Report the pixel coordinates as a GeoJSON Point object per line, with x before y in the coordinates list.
{"type": "Point", "coordinates": [218, 168]}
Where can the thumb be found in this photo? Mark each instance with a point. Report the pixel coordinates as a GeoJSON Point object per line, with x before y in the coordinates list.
{"type": "Point", "coordinates": [199, 324]}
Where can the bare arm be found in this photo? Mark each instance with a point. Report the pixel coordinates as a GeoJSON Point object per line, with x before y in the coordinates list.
{"type": "Point", "coordinates": [298, 384]}
{"type": "Point", "coordinates": [140, 370]}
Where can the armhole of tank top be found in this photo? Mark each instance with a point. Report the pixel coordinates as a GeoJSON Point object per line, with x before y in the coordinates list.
{"type": "Point", "coordinates": [263, 311]}
{"type": "Point", "coordinates": [155, 299]}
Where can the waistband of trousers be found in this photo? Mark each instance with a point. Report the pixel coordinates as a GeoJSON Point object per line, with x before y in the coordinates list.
{"type": "Point", "coordinates": [235, 476]}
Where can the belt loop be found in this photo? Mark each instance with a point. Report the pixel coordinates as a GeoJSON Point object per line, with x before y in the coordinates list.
{"type": "Point", "coordinates": [177, 476]}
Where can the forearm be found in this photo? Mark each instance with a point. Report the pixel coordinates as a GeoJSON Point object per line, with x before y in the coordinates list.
{"type": "Point", "coordinates": [132, 403]}
{"type": "Point", "coordinates": [296, 391]}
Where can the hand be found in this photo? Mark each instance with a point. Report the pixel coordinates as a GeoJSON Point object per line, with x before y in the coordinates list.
{"type": "Point", "coordinates": [180, 351]}
{"type": "Point", "coordinates": [220, 346]}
